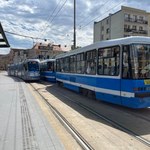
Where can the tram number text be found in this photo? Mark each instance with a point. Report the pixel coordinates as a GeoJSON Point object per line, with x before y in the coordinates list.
{"type": "Point", "coordinates": [146, 82]}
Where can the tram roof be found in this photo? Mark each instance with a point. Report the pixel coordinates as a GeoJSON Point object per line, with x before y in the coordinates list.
{"type": "Point", "coordinates": [29, 60]}
{"type": "Point", "coordinates": [3, 40]}
{"type": "Point", "coordinates": [108, 43]}
{"type": "Point", "coordinates": [47, 60]}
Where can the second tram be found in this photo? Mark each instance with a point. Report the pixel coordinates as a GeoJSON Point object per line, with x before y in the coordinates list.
{"type": "Point", "coordinates": [47, 70]}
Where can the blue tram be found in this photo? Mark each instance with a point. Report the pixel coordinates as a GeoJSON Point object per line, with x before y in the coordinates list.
{"type": "Point", "coordinates": [47, 70]}
{"type": "Point", "coordinates": [28, 70]}
{"type": "Point", "coordinates": [115, 71]}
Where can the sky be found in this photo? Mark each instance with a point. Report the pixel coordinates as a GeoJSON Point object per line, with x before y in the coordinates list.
{"type": "Point", "coordinates": [37, 20]}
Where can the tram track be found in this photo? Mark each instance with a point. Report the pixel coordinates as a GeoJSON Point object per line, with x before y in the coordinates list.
{"type": "Point", "coordinates": [78, 137]}
{"type": "Point", "coordinates": [112, 122]}
{"type": "Point", "coordinates": [128, 110]}
{"type": "Point", "coordinates": [103, 117]}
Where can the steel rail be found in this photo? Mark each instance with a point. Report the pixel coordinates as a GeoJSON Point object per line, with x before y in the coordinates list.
{"type": "Point", "coordinates": [110, 121]}
{"type": "Point", "coordinates": [78, 137]}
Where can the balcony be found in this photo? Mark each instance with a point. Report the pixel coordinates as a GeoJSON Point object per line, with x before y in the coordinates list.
{"type": "Point", "coordinates": [142, 32]}
{"type": "Point", "coordinates": [135, 31]}
{"type": "Point", "coordinates": [132, 20]}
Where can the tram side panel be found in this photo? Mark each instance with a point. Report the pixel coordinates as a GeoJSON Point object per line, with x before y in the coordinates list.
{"type": "Point", "coordinates": [135, 93]}
{"type": "Point", "coordinates": [47, 70]}
{"type": "Point", "coordinates": [103, 87]}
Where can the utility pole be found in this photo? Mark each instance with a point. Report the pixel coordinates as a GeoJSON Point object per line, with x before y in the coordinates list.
{"type": "Point", "coordinates": [74, 39]}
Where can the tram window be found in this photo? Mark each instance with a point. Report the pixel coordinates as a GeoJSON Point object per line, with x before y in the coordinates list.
{"type": "Point", "coordinates": [107, 66]}
{"type": "Point", "coordinates": [33, 66]}
{"type": "Point", "coordinates": [73, 63]}
{"type": "Point", "coordinates": [140, 64]}
{"type": "Point", "coordinates": [91, 62]}
{"type": "Point", "coordinates": [66, 64]}
{"type": "Point", "coordinates": [108, 61]}
{"type": "Point", "coordinates": [62, 65]}
{"type": "Point", "coordinates": [80, 63]}
{"type": "Point", "coordinates": [25, 67]}
{"type": "Point", "coordinates": [100, 66]}
{"type": "Point", "coordinates": [50, 66]}
{"type": "Point", "coordinates": [125, 69]}
{"type": "Point", "coordinates": [43, 67]}
{"type": "Point", "coordinates": [58, 67]}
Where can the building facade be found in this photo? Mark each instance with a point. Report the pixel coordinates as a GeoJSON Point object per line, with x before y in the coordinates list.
{"type": "Point", "coordinates": [39, 51]}
{"type": "Point", "coordinates": [4, 61]}
{"type": "Point", "coordinates": [126, 22]}
{"type": "Point", "coordinates": [17, 55]}
{"type": "Point", "coordinates": [14, 56]}
{"type": "Point", "coordinates": [46, 51]}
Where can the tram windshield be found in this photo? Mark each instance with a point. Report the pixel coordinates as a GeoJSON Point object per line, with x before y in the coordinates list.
{"type": "Point", "coordinates": [136, 62]}
{"type": "Point", "coordinates": [33, 66]}
{"type": "Point", "coordinates": [50, 66]}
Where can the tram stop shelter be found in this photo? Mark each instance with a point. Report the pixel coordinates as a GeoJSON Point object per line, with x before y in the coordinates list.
{"type": "Point", "coordinates": [3, 40]}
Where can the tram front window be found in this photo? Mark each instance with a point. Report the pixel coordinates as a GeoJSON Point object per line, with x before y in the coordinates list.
{"type": "Point", "coordinates": [50, 66]}
{"type": "Point", "coordinates": [33, 66]}
{"type": "Point", "coordinates": [140, 61]}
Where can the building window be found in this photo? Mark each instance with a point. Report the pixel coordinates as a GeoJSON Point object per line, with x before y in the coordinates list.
{"type": "Point", "coordinates": [141, 18]}
{"type": "Point", "coordinates": [125, 26]}
{"type": "Point", "coordinates": [133, 27]}
{"type": "Point", "coordinates": [107, 21]}
{"type": "Point", "coordinates": [107, 30]}
{"type": "Point", "coordinates": [127, 16]}
{"type": "Point", "coordinates": [134, 18]}
{"type": "Point", "coordinates": [140, 28]}
{"type": "Point", "coordinates": [102, 28]}
{"type": "Point", "coordinates": [102, 37]}
{"type": "Point", "coordinates": [128, 26]}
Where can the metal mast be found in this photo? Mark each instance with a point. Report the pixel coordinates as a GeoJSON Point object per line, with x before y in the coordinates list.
{"type": "Point", "coordinates": [74, 39]}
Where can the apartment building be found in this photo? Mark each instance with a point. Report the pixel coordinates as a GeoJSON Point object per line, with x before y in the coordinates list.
{"type": "Point", "coordinates": [126, 22]}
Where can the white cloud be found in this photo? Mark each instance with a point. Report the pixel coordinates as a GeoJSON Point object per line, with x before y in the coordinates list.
{"type": "Point", "coordinates": [5, 3]}
{"type": "Point", "coordinates": [34, 18]}
{"type": "Point", "coordinates": [26, 8]}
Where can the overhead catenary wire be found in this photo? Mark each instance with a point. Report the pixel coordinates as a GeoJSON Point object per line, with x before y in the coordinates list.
{"type": "Point", "coordinates": [50, 16]}
{"type": "Point", "coordinates": [25, 36]}
{"type": "Point", "coordinates": [56, 15]}
{"type": "Point", "coordinates": [102, 14]}
{"type": "Point", "coordinates": [95, 10]}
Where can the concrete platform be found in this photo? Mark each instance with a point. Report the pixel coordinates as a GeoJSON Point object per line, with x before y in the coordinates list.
{"type": "Point", "coordinates": [22, 123]}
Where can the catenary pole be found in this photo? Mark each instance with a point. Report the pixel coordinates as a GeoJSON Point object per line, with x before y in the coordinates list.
{"type": "Point", "coordinates": [74, 40]}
